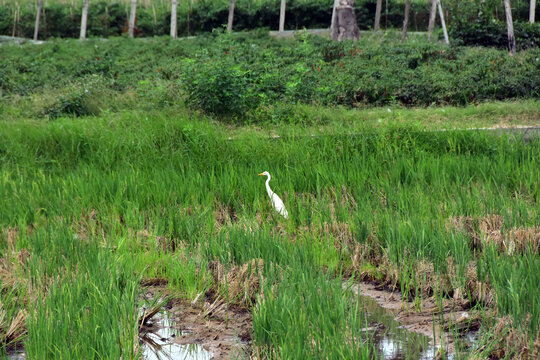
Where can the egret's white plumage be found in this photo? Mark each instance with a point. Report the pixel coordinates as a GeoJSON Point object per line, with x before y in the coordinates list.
{"type": "Point", "coordinates": [276, 201]}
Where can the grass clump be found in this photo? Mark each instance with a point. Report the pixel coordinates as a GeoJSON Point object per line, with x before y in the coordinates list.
{"type": "Point", "coordinates": [85, 96]}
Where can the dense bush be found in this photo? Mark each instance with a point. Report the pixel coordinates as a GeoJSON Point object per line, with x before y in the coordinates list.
{"type": "Point", "coordinates": [250, 74]}
{"type": "Point", "coordinates": [494, 33]}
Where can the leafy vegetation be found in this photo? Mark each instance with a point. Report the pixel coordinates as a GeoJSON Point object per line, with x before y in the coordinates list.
{"type": "Point", "coordinates": [252, 77]}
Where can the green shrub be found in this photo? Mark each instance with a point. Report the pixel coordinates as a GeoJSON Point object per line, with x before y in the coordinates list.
{"type": "Point", "coordinates": [218, 87]}
{"type": "Point", "coordinates": [155, 94]}
{"type": "Point", "coordinates": [85, 96]}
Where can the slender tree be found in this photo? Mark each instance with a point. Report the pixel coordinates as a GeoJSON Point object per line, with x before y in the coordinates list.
{"type": "Point", "coordinates": [378, 10]}
{"type": "Point", "coordinates": [16, 19]}
{"type": "Point", "coordinates": [406, 19]}
{"type": "Point", "coordinates": [343, 25]}
{"type": "Point", "coordinates": [333, 21]}
{"type": "Point", "coordinates": [443, 24]}
{"type": "Point", "coordinates": [132, 16]}
{"type": "Point", "coordinates": [231, 15]}
{"type": "Point", "coordinates": [432, 15]}
{"type": "Point", "coordinates": [532, 9]}
{"type": "Point", "coordinates": [38, 14]}
{"type": "Point", "coordinates": [84, 18]}
{"type": "Point", "coordinates": [174, 31]}
{"type": "Point", "coordinates": [510, 28]}
{"type": "Point", "coordinates": [282, 15]}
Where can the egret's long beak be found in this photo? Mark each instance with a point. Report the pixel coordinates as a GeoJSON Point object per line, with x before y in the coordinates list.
{"type": "Point", "coordinates": [261, 174]}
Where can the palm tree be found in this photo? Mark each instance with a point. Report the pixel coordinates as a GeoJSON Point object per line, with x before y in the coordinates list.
{"type": "Point", "coordinates": [377, 15]}
{"type": "Point", "coordinates": [132, 18]}
{"type": "Point", "coordinates": [282, 15]}
{"type": "Point", "coordinates": [510, 28]}
{"type": "Point", "coordinates": [38, 14]}
{"type": "Point", "coordinates": [432, 15]}
{"type": "Point", "coordinates": [84, 18]}
{"type": "Point", "coordinates": [406, 19]}
{"type": "Point", "coordinates": [174, 31]}
{"type": "Point", "coordinates": [231, 15]}
{"type": "Point", "coordinates": [343, 25]}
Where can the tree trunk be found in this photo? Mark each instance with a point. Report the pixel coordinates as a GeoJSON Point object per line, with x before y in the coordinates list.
{"type": "Point", "coordinates": [132, 16]}
{"type": "Point", "coordinates": [377, 15]}
{"type": "Point", "coordinates": [344, 24]}
{"type": "Point", "coordinates": [532, 9]}
{"type": "Point", "coordinates": [443, 24]}
{"type": "Point", "coordinates": [231, 15]}
{"type": "Point", "coordinates": [38, 14]}
{"type": "Point", "coordinates": [84, 18]}
{"type": "Point", "coordinates": [333, 21]}
{"type": "Point", "coordinates": [282, 15]}
{"type": "Point", "coordinates": [16, 20]}
{"type": "Point", "coordinates": [510, 27]}
{"type": "Point", "coordinates": [406, 19]}
{"type": "Point", "coordinates": [432, 15]}
{"type": "Point", "coordinates": [174, 31]}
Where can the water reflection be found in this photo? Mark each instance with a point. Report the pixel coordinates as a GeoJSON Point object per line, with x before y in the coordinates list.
{"type": "Point", "coordinates": [393, 341]}
{"type": "Point", "coordinates": [158, 344]}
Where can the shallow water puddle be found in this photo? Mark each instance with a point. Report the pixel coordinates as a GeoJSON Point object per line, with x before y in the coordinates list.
{"type": "Point", "coordinates": [393, 340]}
{"type": "Point", "coordinates": [18, 355]}
{"type": "Point", "coordinates": [158, 342]}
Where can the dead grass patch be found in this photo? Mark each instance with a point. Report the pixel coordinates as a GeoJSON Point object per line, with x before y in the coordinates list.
{"type": "Point", "coordinates": [488, 230]}
{"type": "Point", "coordinates": [12, 331]}
{"type": "Point", "coordinates": [241, 283]}
{"type": "Point", "coordinates": [224, 214]}
{"type": "Point", "coordinates": [506, 341]}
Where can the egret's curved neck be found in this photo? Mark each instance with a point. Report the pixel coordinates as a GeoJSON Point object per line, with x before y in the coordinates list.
{"type": "Point", "coordinates": [270, 192]}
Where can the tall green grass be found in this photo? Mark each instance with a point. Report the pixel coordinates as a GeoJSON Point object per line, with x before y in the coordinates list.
{"type": "Point", "coordinates": [82, 304]}
{"type": "Point", "coordinates": [89, 187]}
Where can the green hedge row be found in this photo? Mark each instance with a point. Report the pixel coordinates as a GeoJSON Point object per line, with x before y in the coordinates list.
{"type": "Point", "coordinates": [246, 74]}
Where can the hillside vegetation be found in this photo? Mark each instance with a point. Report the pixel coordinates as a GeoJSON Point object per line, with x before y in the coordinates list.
{"type": "Point", "coordinates": [252, 77]}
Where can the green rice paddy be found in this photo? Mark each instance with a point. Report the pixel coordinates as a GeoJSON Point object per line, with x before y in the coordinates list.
{"type": "Point", "coordinates": [91, 206]}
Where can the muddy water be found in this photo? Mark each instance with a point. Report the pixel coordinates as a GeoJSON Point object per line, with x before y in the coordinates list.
{"type": "Point", "coordinates": [19, 355]}
{"type": "Point", "coordinates": [391, 340]}
{"type": "Point", "coordinates": [400, 332]}
{"type": "Point", "coordinates": [157, 342]}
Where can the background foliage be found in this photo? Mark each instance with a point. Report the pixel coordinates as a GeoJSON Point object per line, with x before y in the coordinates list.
{"type": "Point", "coordinates": [471, 22]}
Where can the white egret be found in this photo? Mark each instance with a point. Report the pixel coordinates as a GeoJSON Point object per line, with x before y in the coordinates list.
{"type": "Point", "coordinates": [276, 201]}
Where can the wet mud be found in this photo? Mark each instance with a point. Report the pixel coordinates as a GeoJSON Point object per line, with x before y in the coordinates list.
{"type": "Point", "coordinates": [186, 330]}
{"type": "Point", "coordinates": [448, 327]}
